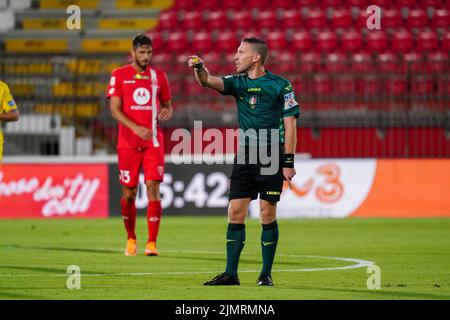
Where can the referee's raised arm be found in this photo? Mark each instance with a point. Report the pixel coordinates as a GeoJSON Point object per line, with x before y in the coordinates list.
{"type": "Point", "coordinates": [202, 75]}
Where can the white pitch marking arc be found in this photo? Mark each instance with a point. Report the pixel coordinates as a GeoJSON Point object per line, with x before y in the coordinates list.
{"type": "Point", "coordinates": [359, 263]}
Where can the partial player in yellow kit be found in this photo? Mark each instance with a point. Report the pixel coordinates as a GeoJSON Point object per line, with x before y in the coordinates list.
{"type": "Point", "coordinates": [8, 111]}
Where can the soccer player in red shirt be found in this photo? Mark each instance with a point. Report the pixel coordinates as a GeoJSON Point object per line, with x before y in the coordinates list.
{"type": "Point", "coordinates": [139, 97]}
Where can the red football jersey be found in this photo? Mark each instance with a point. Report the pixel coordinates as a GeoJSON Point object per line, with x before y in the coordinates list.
{"type": "Point", "coordinates": [141, 94]}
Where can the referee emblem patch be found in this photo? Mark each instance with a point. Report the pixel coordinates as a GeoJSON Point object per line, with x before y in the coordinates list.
{"type": "Point", "coordinates": [252, 101]}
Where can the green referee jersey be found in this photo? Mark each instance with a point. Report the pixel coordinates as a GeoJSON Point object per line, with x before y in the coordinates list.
{"type": "Point", "coordinates": [262, 104]}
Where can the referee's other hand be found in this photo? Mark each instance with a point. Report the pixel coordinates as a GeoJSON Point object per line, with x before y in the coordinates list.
{"type": "Point", "coordinates": [194, 61]}
{"type": "Point", "coordinates": [288, 174]}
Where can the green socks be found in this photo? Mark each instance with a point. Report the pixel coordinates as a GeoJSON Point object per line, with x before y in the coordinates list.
{"type": "Point", "coordinates": [269, 240]}
{"type": "Point", "coordinates": [235, 244]}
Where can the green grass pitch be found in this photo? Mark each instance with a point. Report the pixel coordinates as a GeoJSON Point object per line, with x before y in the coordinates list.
{"type": "Point", "coordinates": [413, 255]}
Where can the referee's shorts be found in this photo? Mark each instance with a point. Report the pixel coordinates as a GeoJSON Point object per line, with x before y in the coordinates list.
{"type": "Point", "coordinates": [247, 180]}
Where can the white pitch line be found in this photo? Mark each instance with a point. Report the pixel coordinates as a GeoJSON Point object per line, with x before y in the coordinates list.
{"type": "Point", "coordinates": [359, 263]}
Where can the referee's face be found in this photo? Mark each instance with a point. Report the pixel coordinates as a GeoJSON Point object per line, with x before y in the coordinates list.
{"type": "Point", "coordinates": [245, 57]}
{"type": "Point", "coordinates": [142, 55]}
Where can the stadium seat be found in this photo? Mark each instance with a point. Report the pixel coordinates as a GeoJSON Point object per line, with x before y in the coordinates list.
{"type": "Point", "coordinates": [404, 3]}
{"type": "Point", "coordinates": [351, 41]}
{"type": "Point", "coordinates": [344, 85]}
{"type": "Point", "coordinates": [305, 3]}
{"type": "Point", "coordinates": [201, 42]}
{"type": "Point", "coordinates": [213, 60]}
{"type": "Point", "coordinates": [417, 18]}
{"type": "Point", "coordinates": [412, 62]}
{"type": "Point", "coordinates": [326, 41]}
{"type": "Point", "coordinates": [266, 19]}
{"type": "Point", "coordinates": [230, 4]}
{"type": "Point", "coordinates": [440, 19]}
{"type": "Point", "coordinates": [309, 62]}
{"type": "Point", "coordinates": [162, 60]}
{"type": "Point", "coordinates": [401, 41]}
{"type": "Point", "coordinates": [322, 85]}
{"type": "Point", "coordinates": [301, 41]}
{"type": "Point", "coordinates": [395, 85]}
{"type": "Point", "coordinates": [437, 62]}
{"type": "Point", "coordinates": [331, 3]}
{"type": "Point", "coordinates": [183, 4]}
{"type": "Point", "coordinates": [391, 18]}
{"type": "Point", "coordinates": [282, 62]}
{"type": "Point", "coordinates": [361, 62]}
{"type": "Point", "coordinates": [445, 46]}
{"type": "Point", "coordinates": [217, 20]}
{"type": "Point", "coordinates": [290, 19]}
{"type": "Point", "coordinates": [177, 42]}
{"type": "Point", "coordinates": [276, 40]}
{"type": "Point", "coordinates": [168, 20]}
{"type": "Point", "coordinates": [370, 86]}
{"type": "Point", "coordinates": [207, 5]}
{"type": "Point", "coordinates": [7, 20]}
{"type": "Point", "coordinates": [355, 4]}
{"type": "Point", "coordinates": [341, 18]}
{"type": "Point", "coordinates": [241, 20]}
{"type": "Point", "coordinates": [157, 41]}
{"type": "Point", "coordinates": [376, 40]}
{"type": "Point", "coordinates": [386, 62]}
{"type": "Point", "coordinates": [427, 41]}
{"type": "Point", "coordinates": [193, 20]}
{"type": "Point", "coordinates": [422, 85]}
{"type": "Point", "coordinates": [316, 18]}
{"type": "Point", "coordinates": [435, 4]}
{"type": "Point", "coordinates": [381, 3]}
{"type": "Point", "coordinates": [443, 85]}
{"type": "Point", "coordinates": [258, 4]}
{"type": "Point", "coordinates": [284, 4]}
{"type": "Point", "coordinates": [226, 42]}
{"type": "Point", "coordinates": [335, 62]}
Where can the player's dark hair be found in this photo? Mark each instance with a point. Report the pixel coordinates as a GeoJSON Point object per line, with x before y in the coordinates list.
{"type": "Point", "coordinates": [141, 40]}
{"type": "Point", "coordinates": [260, 45]}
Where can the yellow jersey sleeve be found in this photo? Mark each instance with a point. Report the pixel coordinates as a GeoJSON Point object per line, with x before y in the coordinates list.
{"type": "Point", "coordinates": [7, 102]}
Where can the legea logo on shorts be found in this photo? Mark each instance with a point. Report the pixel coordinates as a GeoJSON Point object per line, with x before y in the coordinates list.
{"type": "Point", "coordinates": [141, 96]}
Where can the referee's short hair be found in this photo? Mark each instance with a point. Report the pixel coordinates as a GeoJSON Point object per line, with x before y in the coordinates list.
{"type": "Point", "coordinates": [141, 40]}
{"type": "Point", "coordinates": [260, 46]}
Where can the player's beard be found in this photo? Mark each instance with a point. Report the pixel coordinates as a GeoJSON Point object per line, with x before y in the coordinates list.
{"type": "Point", "coordinates": [142, 65]}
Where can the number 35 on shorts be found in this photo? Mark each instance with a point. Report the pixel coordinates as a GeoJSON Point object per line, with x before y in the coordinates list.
{"type": "Point", "coordinates": [124, 176]}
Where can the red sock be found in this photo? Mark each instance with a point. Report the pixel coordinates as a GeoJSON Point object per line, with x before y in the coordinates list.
{"type": "Point", "coordinates": [154, 212]}
{"type": "Point", "coordinates": [129, 217]}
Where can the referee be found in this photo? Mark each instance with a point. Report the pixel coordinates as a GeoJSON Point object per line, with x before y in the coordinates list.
{"type": "Point", "coordinates": [267, 115]}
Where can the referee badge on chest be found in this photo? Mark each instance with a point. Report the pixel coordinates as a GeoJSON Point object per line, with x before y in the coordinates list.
{"type": "Point", "coordinates": [252, 101]}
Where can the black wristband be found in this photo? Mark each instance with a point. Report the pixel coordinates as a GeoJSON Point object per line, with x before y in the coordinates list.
{"type": "Point", "coordinates": [288, 160]}
{"type": "Point", "coordinates": [199, 66]}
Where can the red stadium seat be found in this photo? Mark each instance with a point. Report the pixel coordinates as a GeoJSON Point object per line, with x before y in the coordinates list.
{"type": "Point", "coordinates": [387, 62]}
{"type": "Point", "coordinates": [344, 85]}
{"type": "Point", "coordinates": [443, 85]}
{"type": "Point", "coordinates": [162, 60]}
{"type": "Point", "coordinates": [435, 4]}
{"type": "Point", "coordinates": [256, 4]}
{"type": "Point", "coordinates": [326, 41]}
{"type": "Point", "coordinates": [276, 4]}
{"type": "Point", "coordinates": [290, 19]}
{"type": "Point", "coordinates": [316, 18]}
{"type": "Point", "coordinates": [230, 4]}
{"type": "Point", "coordinates": [402, 41]}
{"type": "Point", "coordinates": [376, 40]}
{"type": "Point", "coordinates": [301, 41]}
{"type": "Point", "coordinates": [427, 41]}
{"type": "Point", "coordinates": [437, 62]}
{"type": "Point", "coordinates": [157, 42]}
{"type": "Point", "coordinates": [217, 20]}
{"type": "Point", "coordinates": [168, 20]}
{"type": "Point", "coordinates": [284, 62]}
{"type": "Point", "coordinates": [384, 4]}
{"type": "Point", "coordinates": [341, 18]}
{"type": "Point", "coordinates": [391, 18]}
{"type": "Point", "coordinates": [446, 42]}
{"type": "Point", "coordinates": [361, 62]}
{"type": "Point", "coordinates": [276, 40]}
{"type": "Point", "coordinates": [371, 86]}
{"type": "Point", "coordinates": [184, 4]}
{"type": "Point", "coordinates": [351, 41]}
{"type": "Point", "coordinates": [331, 3]}
{"type": "Point", "coordinates": [395, 85]}
{"type": "Point", "coordinates": [309, 62]}
{"type": "Point", "coordinates": [207, 5]}
{"type": "Point", "coordinates": [213, 61]}
{"type": "Point", "coordinates": [421, 85]}
{"type": "Point", "coordinates": [405, 3]}
{"type": "Point", "coordinates": [440, 19]}
{"type": "Point", "coordinates": [266, 19]}
{"type": "Point", "coordinates": [355, 3]}
{"type": "Point", "coordinates": [193, 20]}
{"type": "Point", "coordinates": [176, 42]}
{"type": "Point", "coordinates": [322, 85]}
{"type": "Point", "coordinates": [226, 42]}
{"type": "Point", "coordinates": [201, 42]}
{"type": "Point", "coordinates": [241, 20]}
{"type": "Point", "coordinates": [417, 18]}
{"type": "Point", "coordinates": [412, 62]}
{"type": "Point", "coordinates": [335, 62]}
{"type": "Point", "coordinates": [305, 3]}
